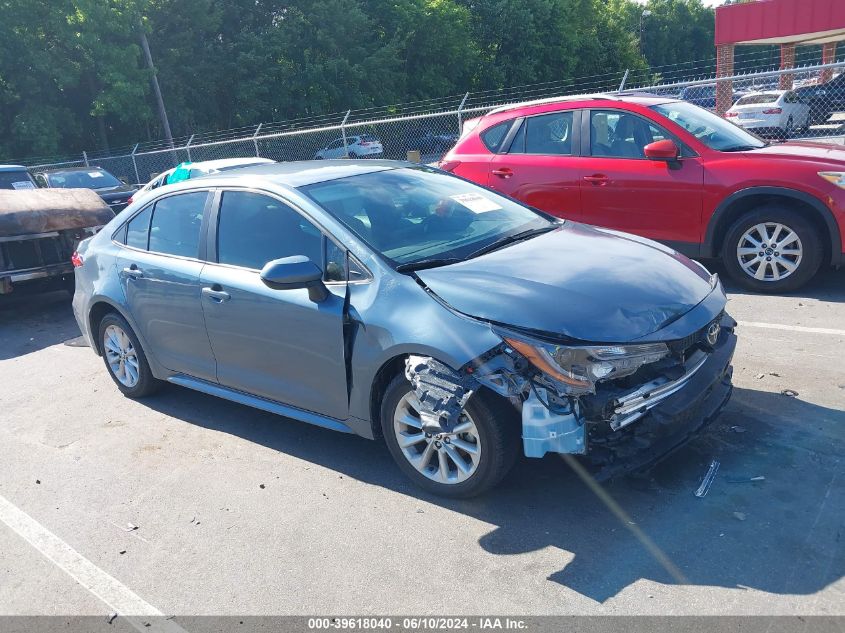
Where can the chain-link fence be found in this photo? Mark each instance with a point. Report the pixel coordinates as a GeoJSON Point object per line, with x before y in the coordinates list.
{"type": "Point", "coordinates": [801, 102]}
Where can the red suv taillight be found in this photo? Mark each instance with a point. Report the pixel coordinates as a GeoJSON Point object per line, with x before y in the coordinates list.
{"type": "Point", "coordinates": [128, 202]}
{"type": "Point", "coordinates": [76, 259]}
{"type": "Point", "coordinates": [773, 111]}
{"type": "Point", "coordinates": [730, 114]}
{"type": "Point", "coordinates": [449, 165]}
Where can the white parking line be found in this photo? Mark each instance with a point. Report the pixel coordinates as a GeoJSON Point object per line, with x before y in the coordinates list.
{"type": "Point", "coordinates": [116, 595]}
{"type": "Point", "coordinates": [792, 328]}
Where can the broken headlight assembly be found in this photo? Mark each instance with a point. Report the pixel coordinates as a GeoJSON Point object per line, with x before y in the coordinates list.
{"type": "Point", "coordinates": [577, 368]}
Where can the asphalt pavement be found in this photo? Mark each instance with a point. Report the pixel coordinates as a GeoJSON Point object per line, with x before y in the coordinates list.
{"type": "Point", "coordinates": [187, 504]}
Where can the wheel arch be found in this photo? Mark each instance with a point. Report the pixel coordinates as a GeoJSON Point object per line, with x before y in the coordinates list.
{"type": "Point", "coordinates": [746, 199]}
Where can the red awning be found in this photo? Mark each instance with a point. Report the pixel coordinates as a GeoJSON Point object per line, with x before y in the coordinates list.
{"type": "Point", "coordinates": [781, 22]}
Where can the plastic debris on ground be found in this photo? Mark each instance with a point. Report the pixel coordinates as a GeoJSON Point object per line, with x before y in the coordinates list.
{"type": "Point", "coordinates": [708, 479]}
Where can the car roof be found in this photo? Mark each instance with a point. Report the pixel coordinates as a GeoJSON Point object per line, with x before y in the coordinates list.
{"type": "Point", "coordinates": [302, 173]}
{"type": "Point", "coordinates": [220, 163]}
{"type": "Point", "coordinates": [65, 169]}
{"type": "Point", "coordinates": [774, 91]}
{"type": "Point", "coordinates": [12, 168]}
{"type": "Point", "coordinates": [641, 98]}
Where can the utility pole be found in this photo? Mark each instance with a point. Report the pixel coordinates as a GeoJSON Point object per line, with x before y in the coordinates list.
{"type": "Point", "coordinates": [162, 113]}
{"type": "Point", "coordinates": [643, 15]}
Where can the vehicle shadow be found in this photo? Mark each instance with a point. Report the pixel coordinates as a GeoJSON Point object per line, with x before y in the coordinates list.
{"type": "Point", "coordinates": [827, 285]}
{"type": "Point", "coordinates": [30, 322]}
{"type": "Point", "coordinates": [778, 535]}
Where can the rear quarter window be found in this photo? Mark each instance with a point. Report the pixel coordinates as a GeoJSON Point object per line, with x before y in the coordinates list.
{"type": "Point", "coordinates": [495, 136]}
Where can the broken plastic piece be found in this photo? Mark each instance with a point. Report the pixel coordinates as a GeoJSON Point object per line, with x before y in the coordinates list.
{"type": "Point", "coordinates": [442, 392]}
{"type": "Point", "coordinates": [545, 431]}
{"type": "Point", "coordinates": [708, 479]}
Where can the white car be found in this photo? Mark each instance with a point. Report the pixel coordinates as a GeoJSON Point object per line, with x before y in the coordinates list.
{"type": "Point", "coordinates": [202, 168]}
{"type": "Point", "coordinates": [356, 147]}
{"type": "Point", "coordinates": [776, 111]}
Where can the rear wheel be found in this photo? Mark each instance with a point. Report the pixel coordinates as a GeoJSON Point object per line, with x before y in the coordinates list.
{"type": "Point", "coordinates": [772, 248]}
{"type": "Point", "coordinates": [472, 458]}
{"type": "Point", "coordinates": [125, 360]}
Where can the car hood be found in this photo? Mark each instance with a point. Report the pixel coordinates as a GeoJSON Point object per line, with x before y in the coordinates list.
{"type": "Point", "coordinates": [825, 152]}
{"type": "Point", "coordinates": [577, 282]}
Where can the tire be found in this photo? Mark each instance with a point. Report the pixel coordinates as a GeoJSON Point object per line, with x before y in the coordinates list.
{"type": "Point", "coordinates": [782, 271]}
{"type": "Point", "coordinates": [110, 339]}
{"type": "Point", "coordinates": [495, 429]}
{"type": "Point", "coordinates": [787, 132]}
{"type": "Point", "coordinates": [352, 155]}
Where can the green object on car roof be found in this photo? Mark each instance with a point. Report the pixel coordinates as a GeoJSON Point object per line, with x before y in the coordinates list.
{"type": "Point", "coordinates": [182, 172]}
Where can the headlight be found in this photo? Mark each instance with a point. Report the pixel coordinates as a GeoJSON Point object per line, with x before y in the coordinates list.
{"type": "Point", "coordinates": [836, 177]}
{"type": "Point", "coordinates": [578, 368]}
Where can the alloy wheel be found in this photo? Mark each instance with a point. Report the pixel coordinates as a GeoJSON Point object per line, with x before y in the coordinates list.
{"type": "Point", "coordinates": [769, 251]}
{"type": "Point", "coordinates": [447, 458]}
{"type": "Point", "coordinates": [121, 356]}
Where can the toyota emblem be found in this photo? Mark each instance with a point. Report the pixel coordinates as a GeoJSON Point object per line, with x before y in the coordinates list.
{"type": "Point", "coordinates": [713, 333]}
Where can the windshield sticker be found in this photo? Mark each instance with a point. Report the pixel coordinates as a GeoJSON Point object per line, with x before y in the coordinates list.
{"type": "Point", "coordinates": [23, 184]}
{"type": "Point", "coordinates": [476, 202]}
{"type": "Point", "coordinates": [95, 174]}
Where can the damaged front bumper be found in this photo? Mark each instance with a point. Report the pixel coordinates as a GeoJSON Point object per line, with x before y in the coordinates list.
{"type": "Point", "coordinates": [624, 425]}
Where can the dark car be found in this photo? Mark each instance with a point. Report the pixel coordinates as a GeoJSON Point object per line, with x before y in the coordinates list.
{"type": "Point", "coordinates": [394, 300]}
{"type": "Point", "coordinates": [824, 99]}
{"type": "Point", "coordinates": [704, 96]}
{"type": "Point", "coordinates": [428, 141]}
{"type": "Point", "coordinates": [15, 177]}
{"type": "Point", "coordinates": [114, 193]}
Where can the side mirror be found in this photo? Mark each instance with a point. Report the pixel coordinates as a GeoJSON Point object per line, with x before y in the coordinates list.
{"type": "Point", "coordinates": [662, 150]}
{"type": "Point", "coordinates": [291, 273]}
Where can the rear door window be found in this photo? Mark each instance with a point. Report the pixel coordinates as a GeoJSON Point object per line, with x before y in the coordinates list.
{"type": "Point", "coordinates": [547, 134]}
{"type": "Point", "coordinates": [175, 227]}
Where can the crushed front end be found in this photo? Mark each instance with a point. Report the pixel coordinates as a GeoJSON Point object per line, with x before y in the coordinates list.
{"type": "Point", "coordinates": [621, 406]}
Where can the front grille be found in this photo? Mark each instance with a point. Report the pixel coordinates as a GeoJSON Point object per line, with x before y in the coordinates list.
{"type": "Point", "coordinates": [682, 347]}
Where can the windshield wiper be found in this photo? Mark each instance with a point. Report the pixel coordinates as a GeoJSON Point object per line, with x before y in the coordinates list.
{"type": "Point", "coordinates": [427, 263]}
{"type": "Point", "coordinates": [744, 148]}
{"type": "Point", "coordinates": [510, 239]}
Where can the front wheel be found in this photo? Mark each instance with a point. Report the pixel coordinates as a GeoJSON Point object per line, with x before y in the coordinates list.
{"type": "Point", "coordinates": [772, 249]}
{"type": "Point", "coordinates": [471, 459]}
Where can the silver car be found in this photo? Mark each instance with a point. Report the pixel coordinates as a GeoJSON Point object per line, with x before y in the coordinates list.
{"type": "Point", "coordinates": [394, 300]}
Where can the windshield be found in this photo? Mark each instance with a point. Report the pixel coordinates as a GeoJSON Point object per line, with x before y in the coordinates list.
{"type": "Point", "coordinates": [16, 180]}
{"type": "Point", "coordinates": [759, 98]}
{"type": "Point", "coordinates": [414, 214]}
{"type": "Point", "coordinates": [88, 179]}
{"type": "Point", "coordinates": [708, 128]}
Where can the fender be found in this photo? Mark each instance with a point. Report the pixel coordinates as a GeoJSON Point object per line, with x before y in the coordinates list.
{"type": "Point", "coordinates": [157, 369]}
{"type": "Point", "coordinates": [709, 248]}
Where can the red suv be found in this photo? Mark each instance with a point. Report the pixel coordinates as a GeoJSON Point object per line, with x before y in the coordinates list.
{"type": "Point", "coordinates": [670, 171]}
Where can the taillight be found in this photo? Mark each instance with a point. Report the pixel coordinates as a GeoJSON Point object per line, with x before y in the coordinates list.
{"type": "Point", "coordinates": [364, 143]}
{"type": "Point", "coordinates": [773, 111]}
{"type": "Point", "coordinates": [449, 165]}
{"type": "Point", "coordinates": [76, 259]}
{"type": "Point", "coordinates": [730, 114]}
{"type": "Point", "coordinates": [128, 202]}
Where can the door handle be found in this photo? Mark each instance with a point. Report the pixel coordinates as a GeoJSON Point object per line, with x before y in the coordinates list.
{"type": "Point", "coordinates": [218, 296]}
{"type": "Point", "coordinates": [133, 272]}
{"type": "Point", "coordinates": [597, 179]}
{"type": "Point", "coordinates": [503, 172]}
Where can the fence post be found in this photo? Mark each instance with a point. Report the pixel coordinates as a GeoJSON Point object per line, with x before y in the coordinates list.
{"type": "Point", "coordinates": [460, 110]}
{"type": "Point", "coordinates": [188, 147]}
{"type": "Point", "coordinates": [343, 132]}
{"type": "Point", "coordinates": [135, 164]}
{"type": "Point", "coordinates": [254, 142]}
{"type": "Point", "coordinates": [624, 79]}
{"type": "Point", "coordinates": [85, 158]}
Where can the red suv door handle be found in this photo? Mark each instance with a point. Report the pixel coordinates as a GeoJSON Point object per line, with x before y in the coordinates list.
{"type": "Point", "coordinates": [504, 172]}
{"type": "Point", "coordinates": [597, 179]}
